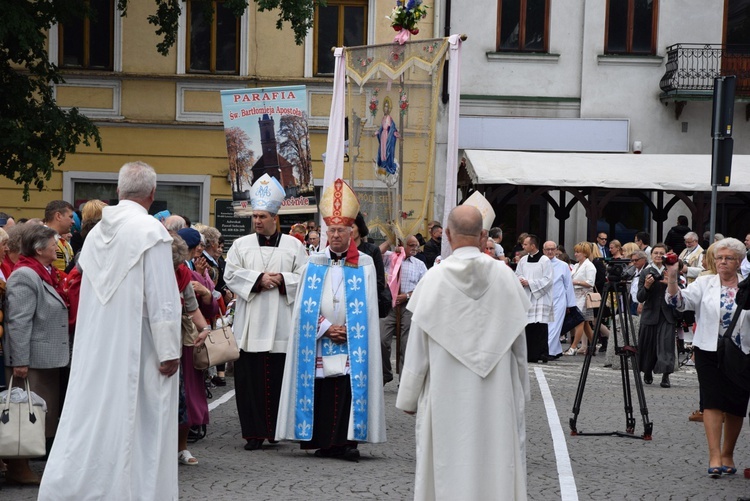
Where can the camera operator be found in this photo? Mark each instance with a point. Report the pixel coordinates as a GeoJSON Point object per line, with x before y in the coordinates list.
{"type": "Point", "coordinates": [712, 297]}
{"type": "Point", "coordinates": [656, 339]}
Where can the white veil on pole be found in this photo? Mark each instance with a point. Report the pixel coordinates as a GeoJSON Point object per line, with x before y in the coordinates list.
{"type": "Point", "coordinates": [334, 156]}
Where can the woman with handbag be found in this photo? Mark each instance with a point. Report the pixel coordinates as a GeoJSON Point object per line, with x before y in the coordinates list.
{"type": "Point", "coordinates": [584, 274]}
{"type": "Point", "coordinates": [193, 405]}
{"type": "Point", "coordinates": [36, 342]}
{"type": "Point", "coordinates": [712, 297]}
{"type": "Point", "coordinates": [656, 334]}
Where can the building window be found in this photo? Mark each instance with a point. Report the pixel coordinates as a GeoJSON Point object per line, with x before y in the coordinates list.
{"type": "Point", "coordinates": [523, 25]}
{"type": "Point", "coordinates": [213, 44]}
{"type": "Point", "coordinates": [87, 43]}
{"type": "Point", "coordinates": [339, 23]}
{"type": "Point", "coordinates": [186, 195]}
{"type": "Point", "coordinates": [631, 27]}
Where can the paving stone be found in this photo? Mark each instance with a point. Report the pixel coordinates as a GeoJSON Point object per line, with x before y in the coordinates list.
{"type": "Point", "coordinates": [671, 466]}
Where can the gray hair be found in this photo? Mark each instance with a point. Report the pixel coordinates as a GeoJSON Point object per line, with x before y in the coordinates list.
{"type": "Point", "coordinates": [175, 223]}
{"type": "Point", "coordinates": [35, 237]}
{"type": "Point", "coordinates": [3, 236]}
{"type": "Point", "coordinates": [211, 235]}
{"type": "Point", "coordinates": [639, 254]}
{"type": "Point", "coordinates": [691, 235]}
{"type": "Point", "coordinates": [136, 181]}
{"type": "Point", "coordinates": [718, 237]}
{"type": "Point", "coordinates": [731, 244]}
{"type": "Point", "coordinates": [496, 232]}
{"type": "Point", "coordinates": [15, 233]}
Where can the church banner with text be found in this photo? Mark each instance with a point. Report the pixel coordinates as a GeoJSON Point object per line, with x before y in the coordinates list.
{"type": "Point", "coordinates": [266, 132]}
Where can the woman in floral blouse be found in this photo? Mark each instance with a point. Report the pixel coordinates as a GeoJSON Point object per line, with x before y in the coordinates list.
{"type": "Point", "coordinates": [712, 297]}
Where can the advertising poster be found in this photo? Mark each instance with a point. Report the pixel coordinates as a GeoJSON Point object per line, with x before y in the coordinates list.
{"type": "Point", "coordinates": [266, 132]}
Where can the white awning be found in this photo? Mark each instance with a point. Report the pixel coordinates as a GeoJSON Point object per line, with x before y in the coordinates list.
{"type": "Point", "coordinates": [614, 170]}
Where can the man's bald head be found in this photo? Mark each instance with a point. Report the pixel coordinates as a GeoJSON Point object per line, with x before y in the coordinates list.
{"type": "Point", "coordinates": [465, 227]}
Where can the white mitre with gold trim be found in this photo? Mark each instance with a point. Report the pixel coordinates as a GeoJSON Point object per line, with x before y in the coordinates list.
{"type": "Point", "coordinates": [485, 209]}
{"type": "Point", "coordinates": [267, 194]}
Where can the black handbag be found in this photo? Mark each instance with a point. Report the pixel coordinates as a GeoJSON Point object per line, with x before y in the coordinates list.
{"type": "Point", "coordinates": [573, 318]}
{"type": "Point", "coordinates": [733, 362]}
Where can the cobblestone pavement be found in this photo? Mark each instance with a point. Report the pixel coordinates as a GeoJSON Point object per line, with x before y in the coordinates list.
{"type": "Point", "coordinates": [672, 466]}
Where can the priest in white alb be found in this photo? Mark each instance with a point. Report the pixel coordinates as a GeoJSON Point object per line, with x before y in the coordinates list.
{"type": "Point", "coordinates": [117, 438]}
{"type": "Point", "coordinates": [536, 275]}
{"type": "Point", "coordinates": [263, 271]}
{"type": "Point", "coordinates": [465, 373]}
{"type": "Point", "coordinates": [332, 397]}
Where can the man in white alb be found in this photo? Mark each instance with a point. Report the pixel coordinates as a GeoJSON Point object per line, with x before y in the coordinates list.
{"type": "Point", "coordinates": [467, 390]}
{"type": "Point", "coordinates": [563, 297]}
{"type": "Point", "coordinates": [263, 270]}
{"type": "Point", "coordinates": [535, 273]}
{"type": "Point", "coordinates": [117, 438]}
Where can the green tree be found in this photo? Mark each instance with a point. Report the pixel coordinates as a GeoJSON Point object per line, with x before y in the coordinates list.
{"type": "Point", "coordinates": [35, 134]}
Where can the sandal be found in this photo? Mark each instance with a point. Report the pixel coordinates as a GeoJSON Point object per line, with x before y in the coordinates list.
{"type": "Point", "coordinates": [184, 457]}
{"type": "Point", "coordinates": [714, 471]}
{"type": "Point", "coordinates": [728, 470]}
{"type": "Point", "coordinates": [570, 352]}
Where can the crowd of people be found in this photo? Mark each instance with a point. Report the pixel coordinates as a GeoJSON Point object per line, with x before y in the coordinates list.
{"type": "Point", "coordinates": [315, 325]}
{"type": "Point", "coordinates": [680, 308]}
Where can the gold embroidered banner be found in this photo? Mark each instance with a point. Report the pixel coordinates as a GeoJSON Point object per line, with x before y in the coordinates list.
{"type": "Point", "coordinates": [392, 109]}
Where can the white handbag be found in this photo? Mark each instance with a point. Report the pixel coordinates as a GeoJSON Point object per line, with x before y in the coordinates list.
{"type": "Point", "coordinates": [22, 426]}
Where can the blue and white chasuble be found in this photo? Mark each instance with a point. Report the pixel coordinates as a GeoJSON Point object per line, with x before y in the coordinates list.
{"type": "Point", "coordinates": [344, 290]}
{"type": "Point", "coordinates": [355, 347]}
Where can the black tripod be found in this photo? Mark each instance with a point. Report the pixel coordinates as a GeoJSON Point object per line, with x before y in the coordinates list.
{"type": "Point", "coordinates": [616, 289]}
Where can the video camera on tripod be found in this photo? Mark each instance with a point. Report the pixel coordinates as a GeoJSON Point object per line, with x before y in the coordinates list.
{"type": "Point", "coordinates": [619, 270]}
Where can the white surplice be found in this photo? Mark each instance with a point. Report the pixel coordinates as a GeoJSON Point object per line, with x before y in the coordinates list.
{"type": "Point", "coordinates": [262, 322]}
{"type": "Point", "coordinates": [117, 438]}
{"type": "Point", "coordinates": [375, 405]}
{"type": "Point", "coordinates": [539, 275]}
{"type": "Point", "coordinates": [465, 374]}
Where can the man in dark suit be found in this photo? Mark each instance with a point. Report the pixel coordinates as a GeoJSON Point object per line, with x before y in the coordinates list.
{"type": "Point", "coordinates": [601, 242]}
{"type": "Point", "coordinates": [432, 247]}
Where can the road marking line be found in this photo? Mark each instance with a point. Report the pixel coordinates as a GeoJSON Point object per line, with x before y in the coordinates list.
{"type": "Point", "coordinates": [568, 490]}
{"type": "Point", "coordinates": [225, 397]}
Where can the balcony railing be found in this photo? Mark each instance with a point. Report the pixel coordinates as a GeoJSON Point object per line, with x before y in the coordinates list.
{"type": "Point", "coordinates": [691, 68]}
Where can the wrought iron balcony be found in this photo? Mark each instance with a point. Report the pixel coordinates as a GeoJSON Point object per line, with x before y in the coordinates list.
{"type": "Point", "coordinates": [691, 69]}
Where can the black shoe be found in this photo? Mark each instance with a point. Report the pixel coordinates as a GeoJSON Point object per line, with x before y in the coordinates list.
{"type": "Point", "coordinates": [351, 453]}
{"type": "Point", "coordinates": [331, 452]}
{"type": "Point", "coordinates": [648, 378]}
{"type": "Point", "coordinates": [219, 381]}
{"type": "Point", "coordinates": [253, 444]}
{"type": "Point", "coordinates": [665, 381]}
{"type": "Point", "coordinates": [555, 357]}
{"type": "Point", "coordinates": [387, 378]}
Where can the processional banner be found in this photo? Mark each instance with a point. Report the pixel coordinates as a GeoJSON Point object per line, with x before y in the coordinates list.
{"type": "Point", "coordinates": [266, 132]}
{"type": "Point", "coordinates": [392, 110]}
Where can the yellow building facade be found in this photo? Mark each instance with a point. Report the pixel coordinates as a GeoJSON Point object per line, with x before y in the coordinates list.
{"type": "Point", "coordinates": [166, 110]}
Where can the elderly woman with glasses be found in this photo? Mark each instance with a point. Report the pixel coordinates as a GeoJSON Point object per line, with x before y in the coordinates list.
{"type": "Point", "coordinates": [712, 297]}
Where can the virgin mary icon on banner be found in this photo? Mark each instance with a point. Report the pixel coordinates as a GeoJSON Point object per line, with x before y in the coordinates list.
{"type": "Point", "coordinates": [387, 135]}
